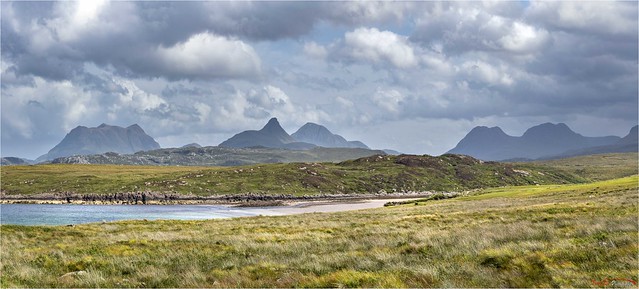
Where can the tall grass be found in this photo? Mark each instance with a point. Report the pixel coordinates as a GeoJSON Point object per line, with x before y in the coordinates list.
{"type": "Point", "coordinates": [543, 236]}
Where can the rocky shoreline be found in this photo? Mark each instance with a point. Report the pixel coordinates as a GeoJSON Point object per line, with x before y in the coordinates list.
{"type": "Point", "coordinates": [154, 198]}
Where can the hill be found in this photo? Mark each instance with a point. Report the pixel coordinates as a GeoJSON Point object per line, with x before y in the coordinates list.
{"type": "Point", "coordinates": [220, 156]}
{"type": "Point", "coordinates": [272, 135]}
{"type": "Point", "coordinates": [319, 135]}
{"type": "Point", "coordinates": [10, 161]}
{"type": "Point", "coordinates": [544, 140]}
{"type": "Point", "coordinates": [104, 138]}
{"type": "Point", "coordinates": [598, 167]}
{"type": "Point", "coordinates": [374, 174]}
{"type": "Point", "coordinates": [192, 145]}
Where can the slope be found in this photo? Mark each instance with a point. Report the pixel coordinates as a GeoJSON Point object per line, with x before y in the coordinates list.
{"type": "Point", "coordinates": [375, 174]}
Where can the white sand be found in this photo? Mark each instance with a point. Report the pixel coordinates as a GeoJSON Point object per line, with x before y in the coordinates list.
{"type": "Point", "coordinates": [323, 206]}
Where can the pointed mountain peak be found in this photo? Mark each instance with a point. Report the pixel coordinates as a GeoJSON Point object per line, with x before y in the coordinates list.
{"type": "Point", "coordinates": [273, 126]}
{"type": "Point", "coordinates": [103, 125]}
{"type": "Point", "coordinates": [272, 135]}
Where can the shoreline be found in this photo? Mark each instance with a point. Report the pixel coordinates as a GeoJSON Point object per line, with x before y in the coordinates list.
{"type": "Point", "coordinates": [240, 200]}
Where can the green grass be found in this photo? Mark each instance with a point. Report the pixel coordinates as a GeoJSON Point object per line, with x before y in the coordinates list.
{"type": "Point", "coordinates": [534, 236]}
{"type": "Point", "coordinates": [528, 191]}
{"type": "Point", "coordinates": [598, 167]}
{"type": "Point", "coordinates": [366, 175]}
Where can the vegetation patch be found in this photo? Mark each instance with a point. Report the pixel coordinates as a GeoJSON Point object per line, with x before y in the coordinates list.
{"type": "Point", "coordinates": [380, 175]}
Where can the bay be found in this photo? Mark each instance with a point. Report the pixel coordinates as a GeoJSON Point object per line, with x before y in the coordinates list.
{"type": "Point", "coordinates": [59, 214]}
{"type": "Point", "coordinates": [68, 214]}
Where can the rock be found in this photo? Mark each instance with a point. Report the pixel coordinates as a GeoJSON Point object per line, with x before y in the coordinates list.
{"type": "Point", "coordinates": [69, 277]}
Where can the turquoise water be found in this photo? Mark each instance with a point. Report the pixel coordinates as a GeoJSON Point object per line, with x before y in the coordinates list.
{"type": "Point", "coordinates": [31, 214]}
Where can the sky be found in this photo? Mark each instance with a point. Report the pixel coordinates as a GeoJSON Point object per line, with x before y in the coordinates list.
{"type": "Point", "coordinates": [409, 76]}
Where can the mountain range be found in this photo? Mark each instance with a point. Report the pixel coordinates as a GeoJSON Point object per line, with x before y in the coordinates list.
{"type": "Point", "coordinates": [272, 135]}
{"type": "Point", "coordinates": [544, 141]}
{"type": "Point", "coordinates": [104, 138]}
{"type": "Point", "coordinates": [131, 145]}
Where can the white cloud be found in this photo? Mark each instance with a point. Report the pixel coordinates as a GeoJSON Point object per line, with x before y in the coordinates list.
{"type": "Point", "coordinates": [484, 72]}
{"type": "Point", "coordinates": [388, 99]}
{"type": "Point", "coordinates": [369, 11]}
{"type": "Point", "coordinates": [315, 50]}
{"type": "Point", "coordinates": [375, 46]}
{"type": "Point", "coordinates": [524, 38]}
{"type": "Point", "coordinates": [606, 17]}
{"type": "Point", "coordinates": [203, 110]}
{"type": "Point", "coordinates": [207, 54]}
{"type": "Point", "coordinates": [137, 98]}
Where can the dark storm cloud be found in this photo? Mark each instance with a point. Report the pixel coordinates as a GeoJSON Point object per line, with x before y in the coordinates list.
{"type": "Point", "coordinates": [153, 39]}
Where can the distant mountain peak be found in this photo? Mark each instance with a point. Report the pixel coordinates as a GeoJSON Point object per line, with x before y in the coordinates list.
{"type": "Point", "coordinates": [272, 135]}
{"type": "Point", "coordinates": [103, 138]}
{"type": "Point", "coordinates": [273, 125]}
{"type": "Point", "coordinates": [494, 131]}
{"type": "Point", "coordinates": [321, 136]}
{"type": "Point", "coordinates": [549, 130]}
{"type": "Point", "coordinates": [546, 139]}
{"type": "Point", "coordinates": [192, 145]}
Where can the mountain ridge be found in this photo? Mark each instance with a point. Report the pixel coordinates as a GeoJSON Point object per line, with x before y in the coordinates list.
{"type": "Point", "coordinates": [83, 140]}
{"type": "Point", "coordinates": [546, 140]}
{"type": "Point", "coordinates": [319, 135]}
{"type": "Point", "coordinates": [272, 135]}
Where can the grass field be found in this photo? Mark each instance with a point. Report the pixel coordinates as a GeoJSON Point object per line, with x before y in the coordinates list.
{"type": "Point", "coordinates": [598, 167]}
{"type": "Point", "coordinates": [366, 175]}
{"type": "Point", "coordinates": [580, 235]}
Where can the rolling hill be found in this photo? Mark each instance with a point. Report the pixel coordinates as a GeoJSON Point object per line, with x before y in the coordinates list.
{"type": "Point", "coordinates": [378, 174]}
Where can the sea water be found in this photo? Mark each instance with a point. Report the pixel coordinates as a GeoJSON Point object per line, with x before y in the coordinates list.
{"type": "Point", "coordinates": [67, 214]}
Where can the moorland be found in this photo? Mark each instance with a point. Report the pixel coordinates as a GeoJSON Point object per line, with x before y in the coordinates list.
{"type": "Point", "coordinates": [582, 233]}
{"type": "Point", "coordinates": [382, 175]}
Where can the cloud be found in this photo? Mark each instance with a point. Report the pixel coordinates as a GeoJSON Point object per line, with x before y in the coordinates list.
{"type": "Point", "coordinates": [192, 70]}
{"type": "Point", "coordinates": [355, 13]}
{"type": "Point", "coordinates": [524, 38]}
{"type": "Point", "coordinates": [618, 19]}
{"type": "Point", "coordinates": [120, 35]}
{"type": "Point", "coordinates": [207, 55]}
{"type": "Point", "coordinates": [370, 45]}
{"type": "Point", "coordinates": [315, 50]}
{"type": "Point", "coordinates": [390, 100]}
{"type": "Point", "coordinates": [461, 28]}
